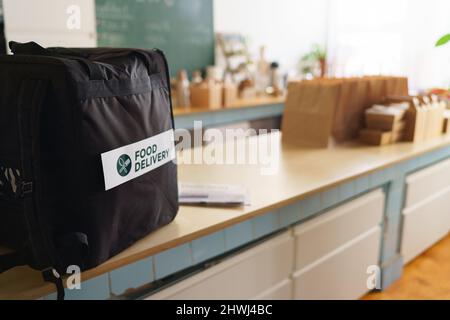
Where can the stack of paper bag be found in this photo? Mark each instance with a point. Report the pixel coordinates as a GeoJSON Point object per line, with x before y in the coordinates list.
{"type": "Point", "coordinates": [320, 112]}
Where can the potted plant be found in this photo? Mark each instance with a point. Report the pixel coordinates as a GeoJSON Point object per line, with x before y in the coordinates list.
{"type": "Point", "coordinates": [316, 57]}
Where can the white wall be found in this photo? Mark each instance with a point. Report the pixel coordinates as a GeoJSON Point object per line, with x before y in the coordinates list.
{"type": "Point", "coordinates": [391, 37]}
{"type": "Point", "coordinates": [45, 22]}
{"type": "Point", "coordinates": [425, 64]}
{"type": "Point", "coordinates": [287, 27]}
{"type": "Point", "coordinates": [363, 36]}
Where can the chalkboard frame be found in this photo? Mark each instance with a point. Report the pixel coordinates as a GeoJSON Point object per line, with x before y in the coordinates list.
{"type": "Point", "coordinates": [182, 29]}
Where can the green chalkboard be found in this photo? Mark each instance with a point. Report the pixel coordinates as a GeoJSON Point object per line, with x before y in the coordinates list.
{"type": "Point", "coordinates": [183, 29]}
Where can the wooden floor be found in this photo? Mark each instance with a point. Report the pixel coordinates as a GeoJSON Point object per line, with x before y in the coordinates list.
{"type": "Point", "coordinates": [426, 277]}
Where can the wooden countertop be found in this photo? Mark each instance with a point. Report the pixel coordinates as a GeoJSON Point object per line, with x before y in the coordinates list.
{"type": "Point", "coordinates": [302, 172]}
{"type": "Point", "coordinates": [240, 103]}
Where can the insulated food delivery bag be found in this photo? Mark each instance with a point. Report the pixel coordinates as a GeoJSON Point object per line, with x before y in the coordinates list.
{"type": "Point", "coordinates": [86, 154]}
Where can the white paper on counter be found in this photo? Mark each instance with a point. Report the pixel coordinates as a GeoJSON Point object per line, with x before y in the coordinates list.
{"type": "Point", "coordinates": [192, 193]}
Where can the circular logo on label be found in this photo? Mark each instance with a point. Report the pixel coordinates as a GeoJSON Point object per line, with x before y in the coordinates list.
{"type": "Point", "coordinates": [123, 165]}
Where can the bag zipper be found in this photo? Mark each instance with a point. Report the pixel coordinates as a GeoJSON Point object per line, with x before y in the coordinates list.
{"type": "Point", "coordinates": [166, 65]}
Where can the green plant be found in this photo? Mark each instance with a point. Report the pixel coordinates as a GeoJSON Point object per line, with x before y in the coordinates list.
{"type": "Point", "coordinates": [316, 59]}
{"type": "Point", "coordinates": [317, 53]}
{"type": "Point", "coordinates": [443, 40]}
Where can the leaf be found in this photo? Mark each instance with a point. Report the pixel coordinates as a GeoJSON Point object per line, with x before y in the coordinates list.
{"type": "Point", "coordinates": [443, 40]}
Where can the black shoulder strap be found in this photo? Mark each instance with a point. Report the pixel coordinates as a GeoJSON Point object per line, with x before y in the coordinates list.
{"type": "Point", "coordinates": [31, 99]}
{"type": "Point", "coordinates": [52, 276]}
{"type": "Point", "coordinates": [32, 48]}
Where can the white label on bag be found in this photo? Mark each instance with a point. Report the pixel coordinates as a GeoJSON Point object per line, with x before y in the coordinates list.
{"type": "Point", "coordinates": [131, 161]}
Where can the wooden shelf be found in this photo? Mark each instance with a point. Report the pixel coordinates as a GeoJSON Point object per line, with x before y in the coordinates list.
{"type": "Point", "coordinates": [241, 103]}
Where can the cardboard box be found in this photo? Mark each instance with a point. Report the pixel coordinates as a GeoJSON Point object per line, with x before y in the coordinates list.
{"type": "Point", "coordinates": [382, 121]}
{"type": "Point", "coordinates": [375, 137]}
{"type": "Point", "coordinates": [248, 93]}
{"type": "Point", "coordinates": [230, 94]}
{"type": "Point", "coordinates": [446, 127]}
{"type": "Point", "coordinates": [422, 122]}
{"type": "Point", "coordinates": [206, 96]}
{"type": "Point", "coordinates": [434, 120]}
{"type": "Point", "coordinates": [397, 136]}
{"type": "Point", "coordinates": [399, 126]}
{"type": "Point", "coordinates": [416, 122]}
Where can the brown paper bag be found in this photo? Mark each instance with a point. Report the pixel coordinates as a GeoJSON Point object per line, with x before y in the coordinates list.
{"type": "Point", "coordinates": [397, 86]}
{"type": "Point", "coordinates": [309, 113]}
{"type": "Point", "coordinates": [323, 111]}
{"type": "Point", "coordinates": [349, 116]}
{"type": "Point", "coordinates": [377, 91]}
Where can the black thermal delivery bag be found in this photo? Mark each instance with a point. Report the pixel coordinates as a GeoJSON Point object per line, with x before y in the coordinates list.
{"type": "Point", "coordinates": [86, 154]}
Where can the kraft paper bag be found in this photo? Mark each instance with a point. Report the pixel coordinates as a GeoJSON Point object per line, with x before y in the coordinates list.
{"type": "Point", "coordinates": [323, 111]}
{"type": "Point", "coordinates": [349, 117]}
{"type": "Point", "coordinates": [309, 113]}
{"type": "Point", "coordinates": [377, 92]}
{"type": "Point", "coordinates": [397, 86]}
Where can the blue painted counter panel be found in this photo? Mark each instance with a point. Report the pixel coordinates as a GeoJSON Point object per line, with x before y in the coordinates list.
{"type": "Point", "coordinates": [391, 179]}
{"type": "Point", "coordinates": [227, 116]}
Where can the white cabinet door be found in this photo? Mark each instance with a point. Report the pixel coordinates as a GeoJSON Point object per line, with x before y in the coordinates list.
{"type": "Point", "coordinates": [282, 291]}
{"type": "Point", "coordinates": [342, 274]}
{"type": "Point", "coordinates": [424, 224]}
{"type": "Point", "coordinates": [426, 183]}
{"type": "Point", "coordinates": [244, 276]}
{"type": "Point", "coordinates": [327, 259]}
{"type": "Point", "coordinates": [323, 234]}
{"type": "Point", "coordinates": [426, 215]}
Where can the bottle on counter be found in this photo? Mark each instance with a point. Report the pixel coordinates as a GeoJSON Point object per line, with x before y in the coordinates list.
{"type": "Point", "coordinates": [183, 90]}
{"type": "Point", "coordinates": [208, 92]}
{"type": "Point", "coordinates": [275, 86]}
{"type": "Point", "coordinates": [230, 92]}
{"type": "Point", "coordinates": [213, 75]}
{"type": "Point", "coordinates": [262, 74]}
{"type": "Point", "coordinates": [197, 77]}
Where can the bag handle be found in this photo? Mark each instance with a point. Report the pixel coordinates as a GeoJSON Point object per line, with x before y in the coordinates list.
{"type": "Point", "coordinates": [32, 48]}
{"type": "Point", "coordinates": [27, 48]}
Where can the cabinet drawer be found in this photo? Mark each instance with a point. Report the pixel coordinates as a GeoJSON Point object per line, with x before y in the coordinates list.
{"type": "Point", "coordinates": [343, 273]}
{"type": "Point", "coordinates": [321, 235]}
{"type": "Point", "coordinates": [427, 182]}
{"type": "Point", "coordinates": [282, 291]}
{"type": "Point", "coordinates": [425, 224]}
{"type": "Point", "coordinates": [243, 276]}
